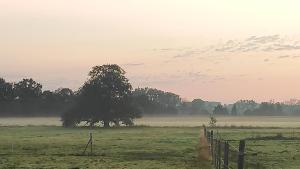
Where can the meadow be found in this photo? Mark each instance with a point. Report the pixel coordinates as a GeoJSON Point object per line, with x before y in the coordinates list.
{"type": "Point", "coordinates": [158, 142]}
{"type": "Point", "coordinates": [115, 148]}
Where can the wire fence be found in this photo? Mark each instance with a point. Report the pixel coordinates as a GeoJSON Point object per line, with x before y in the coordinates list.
{"type": "Point", "coordinates": [225, 154]}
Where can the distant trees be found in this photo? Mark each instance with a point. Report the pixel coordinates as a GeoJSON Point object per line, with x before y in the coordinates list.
{"type": "Point", "coordinates": [27, 89]}
{"type": "Point", "coordinates": [6, 95]}
{"type": "Point", "coordinates": [244, 105]}
{"type": "Point", "coordinates": [154, 101]}
{"type": "Point", "coordinates": [220, 110]}
{"type": "Point", "coordinates": [198, 107]}
{"type": "Point", "coordinates": [266, 109]}
{"type": "Point", "coordinates": [234, 110]}
{"type": "Point", "coordinates": [6, 91]}
{"type": "Point", "coordinates": [106, 97]}
{"type": "Point", "coordinates": [26, 98]}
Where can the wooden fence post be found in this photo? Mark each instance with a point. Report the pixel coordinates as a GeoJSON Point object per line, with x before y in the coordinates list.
{"type": "Point", "coordinates": [226, 154]}
{"type": "Point", "coordinates": [208, 136]}
{"type": "Point", "coordinates": [90, 142]}
{"type": "Point", "coordinates": [204, 130]}
{"type": "Point", "coordinates": [241, 154]}
{"type": "Point", "coordinates": [215, 153]}
{"type": "Point", "coordinates": [212, 145]}
{"type": "Point", "coordinates": [91, 138]}
{"type": "Point", "coordinates": [219, 154]}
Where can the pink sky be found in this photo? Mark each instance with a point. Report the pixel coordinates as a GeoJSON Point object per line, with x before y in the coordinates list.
{"type": "Point", "coordinates": [214, 50]}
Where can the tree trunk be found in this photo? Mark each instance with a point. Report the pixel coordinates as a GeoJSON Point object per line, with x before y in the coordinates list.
{"type": "Point", "coordinates": [117, 123]}
{"type": "Point", "coordinates": [106, 124]}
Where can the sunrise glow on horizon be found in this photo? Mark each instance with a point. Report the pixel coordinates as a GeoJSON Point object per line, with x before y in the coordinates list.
{"type": "Point", "coordinates": [214, 50]}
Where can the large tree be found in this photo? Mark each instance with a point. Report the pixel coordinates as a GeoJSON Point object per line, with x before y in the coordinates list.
{"type": "Point", "coordinates": [105, 97]}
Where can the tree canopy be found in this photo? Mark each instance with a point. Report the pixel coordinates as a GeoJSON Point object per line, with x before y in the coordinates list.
{"type": "Point", "coordinates": [220, 110]}
{"type": "Point", "coordinates": [154, 101]}
{"type": "Point", "coordinates": [106, 97]}
{"type": "Point", "coordinates": [6, 90]}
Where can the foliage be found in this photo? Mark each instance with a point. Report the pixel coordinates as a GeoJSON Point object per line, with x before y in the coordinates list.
{"type": "Point", "coordinates": [27, 89]}
{"type": "Point", "coordinates": [220, 110]}
{"type": "Point", "coordinates": [244, 105]}
{"type": "Point", "coordinates": [234, 110]}
{"type": "Point", "coordinates": [6, 91]}
{"type": "Point", "coordinates": [106, 97]}
{"type": "Point", "coordinates": [26, 98]}
{"type": "Point", "coordinates": [154, 101]}
{"type": "Point", "coordinates": [212, 121]}
{"type": "Point", "coordinates": [266, 108]}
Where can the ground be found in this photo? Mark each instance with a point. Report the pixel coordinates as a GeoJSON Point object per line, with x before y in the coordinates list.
{"type": "Point", "coordinates": [41, 143]}
{"type": "Point", "coordinates": [136, 148]}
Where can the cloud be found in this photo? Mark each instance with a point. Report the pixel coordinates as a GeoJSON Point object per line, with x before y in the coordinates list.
{"type": "Point", "coordinates": [259, 43]}
{"type": "Point", "coordinates": [133, 64]}
{"type": "Point", "coordinates": [283, 56]}
{"type": "Point", "coordinates": [285, 47]}
{"type": "Point", "coordinates": [185, 54]}
{"type": "Point", "coordinates": [195, 75]}
{"type": "Point", "coordinates": [263, 39]}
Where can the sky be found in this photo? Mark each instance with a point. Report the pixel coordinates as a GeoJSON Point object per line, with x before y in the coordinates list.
{"type": "Point", "coordinates": [217, 50]}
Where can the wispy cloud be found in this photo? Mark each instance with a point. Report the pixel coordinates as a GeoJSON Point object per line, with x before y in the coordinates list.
{"type": "Point", "coordinates": [185, 54]}
{"type": "Point", "coordinates": [298, 56]}
{"type": "Point", "coordinates": [133, 64]}
{"type": "Point", "coordinates": [259, 43]}
{"type": "Point", "coordinates": [283, 56]}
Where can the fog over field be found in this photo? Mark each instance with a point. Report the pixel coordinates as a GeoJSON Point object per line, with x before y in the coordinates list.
{"type": "Point", "coordinates": [174, 121]}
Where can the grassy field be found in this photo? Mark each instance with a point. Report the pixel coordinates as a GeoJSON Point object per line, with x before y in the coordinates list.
{"type": "Point", "coordinates": [136, 148]}
{"type": "Point", "coordinates": [41, 143]}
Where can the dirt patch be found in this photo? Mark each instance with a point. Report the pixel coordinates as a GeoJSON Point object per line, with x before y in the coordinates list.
{"type": "Point", "coordinates": [204, 153]}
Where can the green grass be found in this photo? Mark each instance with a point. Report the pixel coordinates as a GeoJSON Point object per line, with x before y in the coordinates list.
{"type": "Point", "coordinates": [267, 153]}
{"type": "Point", "coordinates": [136, 148]}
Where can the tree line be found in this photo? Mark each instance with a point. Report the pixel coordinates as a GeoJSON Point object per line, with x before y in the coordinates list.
{"type": "Point", "coordinates": [108, 98]}
{"type": "Point", "coordinates": [26, 98]}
